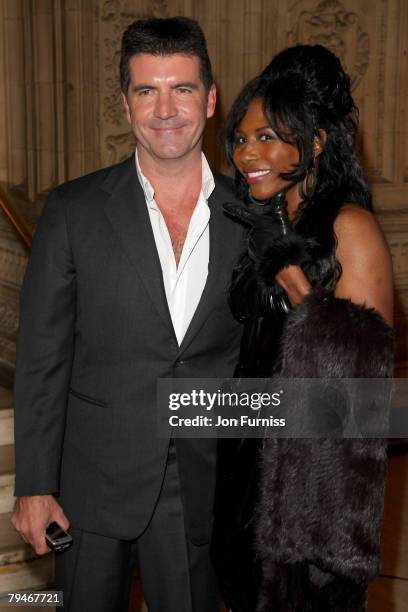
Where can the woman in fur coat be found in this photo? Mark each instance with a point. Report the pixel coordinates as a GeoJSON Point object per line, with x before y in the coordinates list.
{"type": "Point", "coordinates": [297, 521]}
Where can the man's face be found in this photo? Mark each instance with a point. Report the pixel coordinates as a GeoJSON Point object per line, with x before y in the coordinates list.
{"type": "Point", "coordinates": [167, 104]}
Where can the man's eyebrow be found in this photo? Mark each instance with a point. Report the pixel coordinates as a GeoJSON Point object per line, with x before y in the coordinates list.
{"type": "Point", "coordinates": [142, 86]}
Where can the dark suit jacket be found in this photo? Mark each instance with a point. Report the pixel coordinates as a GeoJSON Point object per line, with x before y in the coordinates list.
{"type": "Point", "coordinates": [95, 334]}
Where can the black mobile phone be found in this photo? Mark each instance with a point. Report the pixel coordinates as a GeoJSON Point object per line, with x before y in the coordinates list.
{"type": "Point", "coordinates": [57, 538]}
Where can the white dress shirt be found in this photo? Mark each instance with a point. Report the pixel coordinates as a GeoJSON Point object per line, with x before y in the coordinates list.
{"type": "Point", "coordinates": [184, 283]}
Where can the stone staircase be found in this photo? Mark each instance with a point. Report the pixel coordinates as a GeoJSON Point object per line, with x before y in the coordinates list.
{"type": "Point", "coordinates": [20, 568]}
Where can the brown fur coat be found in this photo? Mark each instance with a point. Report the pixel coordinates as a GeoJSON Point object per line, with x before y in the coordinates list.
{"type": "Point", "coordinates": [321, 501]}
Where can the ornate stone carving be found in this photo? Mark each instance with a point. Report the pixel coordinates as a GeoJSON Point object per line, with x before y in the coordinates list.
{"type": "Point", "coordinates": [7, 361]}
{"type": "Point", "coordinates": [8, 321]}
{"type": "Point", "coordinates": [116, 10]}
{"type": "Point", "coordinates": [399, 250]}
{"type": "Point", "coordinates": [12, 267]}
{"type": "Point", "coordinates": [377, 173]}
{"type": "Point", "coordinates": [119, 146]}
{"type": "Point", "coordinates": [110, 10]}
{"type": "Point", "coordinates": [112, 109]}
{"type": "Point", "coordinates": [342, 31]}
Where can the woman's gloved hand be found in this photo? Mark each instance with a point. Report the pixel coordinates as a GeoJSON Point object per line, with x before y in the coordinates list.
{"type": "Point", "coordinates": [273, 243]}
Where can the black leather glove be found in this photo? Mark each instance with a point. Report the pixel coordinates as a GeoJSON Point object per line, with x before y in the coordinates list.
{"type": "Point", "coordinates": [273, 243]}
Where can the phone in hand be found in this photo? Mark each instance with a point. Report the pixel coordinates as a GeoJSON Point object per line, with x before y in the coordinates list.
{"type": "Point", "coordinates": [57, 538]}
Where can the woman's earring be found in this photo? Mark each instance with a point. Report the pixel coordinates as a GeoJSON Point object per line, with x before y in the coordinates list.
{"type": "Point", "coordinates": [309, 183]}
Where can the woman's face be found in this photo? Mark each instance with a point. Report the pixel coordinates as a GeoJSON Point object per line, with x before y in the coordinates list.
{"type": "Point", "coordinates": [260, 156]}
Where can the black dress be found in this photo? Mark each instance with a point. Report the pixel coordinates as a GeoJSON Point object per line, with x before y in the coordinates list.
{"type": "Point", "coordinates": [262, 313]}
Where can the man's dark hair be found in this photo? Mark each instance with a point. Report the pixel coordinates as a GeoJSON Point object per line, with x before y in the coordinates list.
{"type": "Point", "coordinates": [164, 37]}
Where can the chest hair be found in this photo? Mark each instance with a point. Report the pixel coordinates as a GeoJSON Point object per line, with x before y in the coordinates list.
{"type": "Point", "coordinates": [177, 218]}
{"type": "Point", "coordinates": [177, 225]}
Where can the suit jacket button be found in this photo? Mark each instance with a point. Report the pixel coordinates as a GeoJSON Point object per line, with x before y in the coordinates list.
{"type": "Point", "coordinates": [179, 363]}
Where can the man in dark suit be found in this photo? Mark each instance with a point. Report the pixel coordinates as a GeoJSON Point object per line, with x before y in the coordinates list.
{"type": "Point", "coordinates": [127, 282]}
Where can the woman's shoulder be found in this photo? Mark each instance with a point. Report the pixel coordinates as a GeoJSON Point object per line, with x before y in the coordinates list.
{"type": "Point", "coordinates": [365, 260]}
{"type": "Point", "coordinates": [353, 221]}
{"type": "Point", "coordinates": [353, 216]}
{"type": "Point", "coordinates": [361, 244]}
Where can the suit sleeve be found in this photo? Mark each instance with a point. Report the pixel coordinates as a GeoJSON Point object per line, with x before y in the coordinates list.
{"type": "Point", "coordinates": [44, 353]}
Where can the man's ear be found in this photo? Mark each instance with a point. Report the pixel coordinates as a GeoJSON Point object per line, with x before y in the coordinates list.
{"type": "Point", "coordinates": [319, 142]}
{"type": "Point", "coordinates": [126, 107]}
{"type": "Point", "coordinates": [211, 100]}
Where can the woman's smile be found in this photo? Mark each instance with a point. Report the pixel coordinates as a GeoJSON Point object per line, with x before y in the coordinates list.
{"type": "Point", "coordinates": [254, 176]}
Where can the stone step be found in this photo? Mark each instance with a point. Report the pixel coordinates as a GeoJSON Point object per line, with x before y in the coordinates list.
{"type": "Point", "coordinates": [6, 419]}
{"type": "Point", "coordinates": [6, 398]}
{"type": "Point", "coordinates": [12, 548]}
{"type": "Point", "coordinates": [7, 464]}
{"type": "Point", "coordinates": [6, 426]}
{"type": "Point", "coordinates": [6, 493]}
{"type": "Point", "coordinates": [4, 605]}
{"type": "Point", "coordinates": [16, 554]}
{"type": "Point", "coordinates": [20, 568]}
{"type": "Point", "coordinates": [33, 574]}
{"type": "Point", "coordinates": [9, 537]}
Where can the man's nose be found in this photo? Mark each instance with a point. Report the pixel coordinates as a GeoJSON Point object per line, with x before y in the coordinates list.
{"type": "Point", "coordinates": [165, 105]}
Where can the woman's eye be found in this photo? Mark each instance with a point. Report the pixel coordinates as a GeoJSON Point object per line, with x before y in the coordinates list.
{"type": "Point", "coordinates": [238, 140]}
{"type": "Point", "coordinates": [266, 137]}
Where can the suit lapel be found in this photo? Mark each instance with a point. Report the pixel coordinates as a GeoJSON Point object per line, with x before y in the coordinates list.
{"type": "Point", "coordinates": [127, 212]}
{"type": "Point", "coordinates": [218, 248]}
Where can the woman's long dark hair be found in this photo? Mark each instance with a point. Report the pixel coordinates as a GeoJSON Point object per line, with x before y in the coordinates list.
{"type": "Point", "coordinates": [304, 91]}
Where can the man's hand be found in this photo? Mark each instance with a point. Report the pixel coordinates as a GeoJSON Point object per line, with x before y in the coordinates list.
{"type": "Point", "coordinates": [32, 515]}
